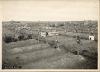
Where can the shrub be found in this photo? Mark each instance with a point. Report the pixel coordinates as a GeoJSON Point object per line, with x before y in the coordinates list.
{"type": "Point", "coordinates": [21, 37]}
{"type": "Point", "coordinates": [75, 52]}
{"type": "Point", "coordinates": [30, 36]}
{"type": "Point", "coordinates": [8, 38]}
{"type": "Point", "coordinates": [53, 44]}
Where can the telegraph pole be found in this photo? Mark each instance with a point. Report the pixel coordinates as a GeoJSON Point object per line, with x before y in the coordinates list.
{"type": "Point", "coordinates": [57, 39]}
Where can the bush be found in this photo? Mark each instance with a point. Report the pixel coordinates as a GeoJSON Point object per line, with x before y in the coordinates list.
{"type": "Point", "coordinates": [75, 52]}
{"type": "Point", "coordinates": [61, 25]}
{"type": "Point", "coordinates": [84, 52]}
{"type": "Point", "coordinates": [8, 38]}
{"type": "Point", "coordinates": [30, 36]}
{"type": "Point", "coordinates": [21, 37]}
{"type": "Point", "coordinates": [53, 44]}
{"type": "Point", "coordinates": [41, 39]}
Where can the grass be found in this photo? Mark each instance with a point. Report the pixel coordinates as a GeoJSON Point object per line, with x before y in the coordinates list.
{"type": "Point", "coordinates": [31, 54]}
{"type": "Point", "coordinates": [28, 48]}
{"type": "Point", "coordinates": [20, 43]}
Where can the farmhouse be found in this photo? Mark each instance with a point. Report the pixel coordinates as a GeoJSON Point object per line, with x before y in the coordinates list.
{"type": "Point", "coordinates": [91, 37]}
{"type": "Point", "coordinates": [43, 34]}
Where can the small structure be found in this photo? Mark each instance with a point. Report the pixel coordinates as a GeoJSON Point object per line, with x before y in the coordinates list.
{"type": "Point", "coordinates": [53, 33]}
{"type": "Point", "coordinates": [91, 37]}
{"type": "Point", "coordinates": [43, 34]}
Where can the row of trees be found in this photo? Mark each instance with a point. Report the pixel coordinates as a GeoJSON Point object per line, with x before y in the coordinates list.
{"type": "Point", "coordinates": [23, 33]}
{"type": "Point", "coordinates": [12, 38]}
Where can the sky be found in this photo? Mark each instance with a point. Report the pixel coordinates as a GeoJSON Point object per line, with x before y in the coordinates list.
{"type": "Point", "coordinates": [47, 10]}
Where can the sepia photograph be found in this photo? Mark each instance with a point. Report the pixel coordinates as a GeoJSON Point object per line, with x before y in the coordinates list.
{"type": "Point", "coordinates": [50, 34]}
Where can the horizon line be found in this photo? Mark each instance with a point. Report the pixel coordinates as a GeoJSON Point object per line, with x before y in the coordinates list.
{"type": "Point", "coordinates": [51, 20]}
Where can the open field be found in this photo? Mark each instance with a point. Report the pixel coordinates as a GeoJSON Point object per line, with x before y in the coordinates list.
{"type": "Point", "coordinates": [41, 53]}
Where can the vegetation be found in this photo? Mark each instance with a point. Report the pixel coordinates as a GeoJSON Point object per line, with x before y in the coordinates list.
{"type": "Point", "coordinates": [26, 48]}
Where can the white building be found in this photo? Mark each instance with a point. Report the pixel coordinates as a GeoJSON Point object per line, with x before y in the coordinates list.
{"type": "Point", "coordinates": [43, 34]}
{"type": "Point", "coordinates": [53, 33]}
{"type": "Point", "coordinates": [91, 37]}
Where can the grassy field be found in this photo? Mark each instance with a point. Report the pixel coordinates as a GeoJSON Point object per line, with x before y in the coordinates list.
{"type": "Point", "coordinates": [38, 54]}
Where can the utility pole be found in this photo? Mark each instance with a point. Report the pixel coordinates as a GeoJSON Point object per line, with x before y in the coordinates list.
{"type": "Point", "coordinates": [46, 32]}
{"type": "Point", "coordinates": [77, 39]}
{"type": "Point", "coordinates": [57, 39]}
